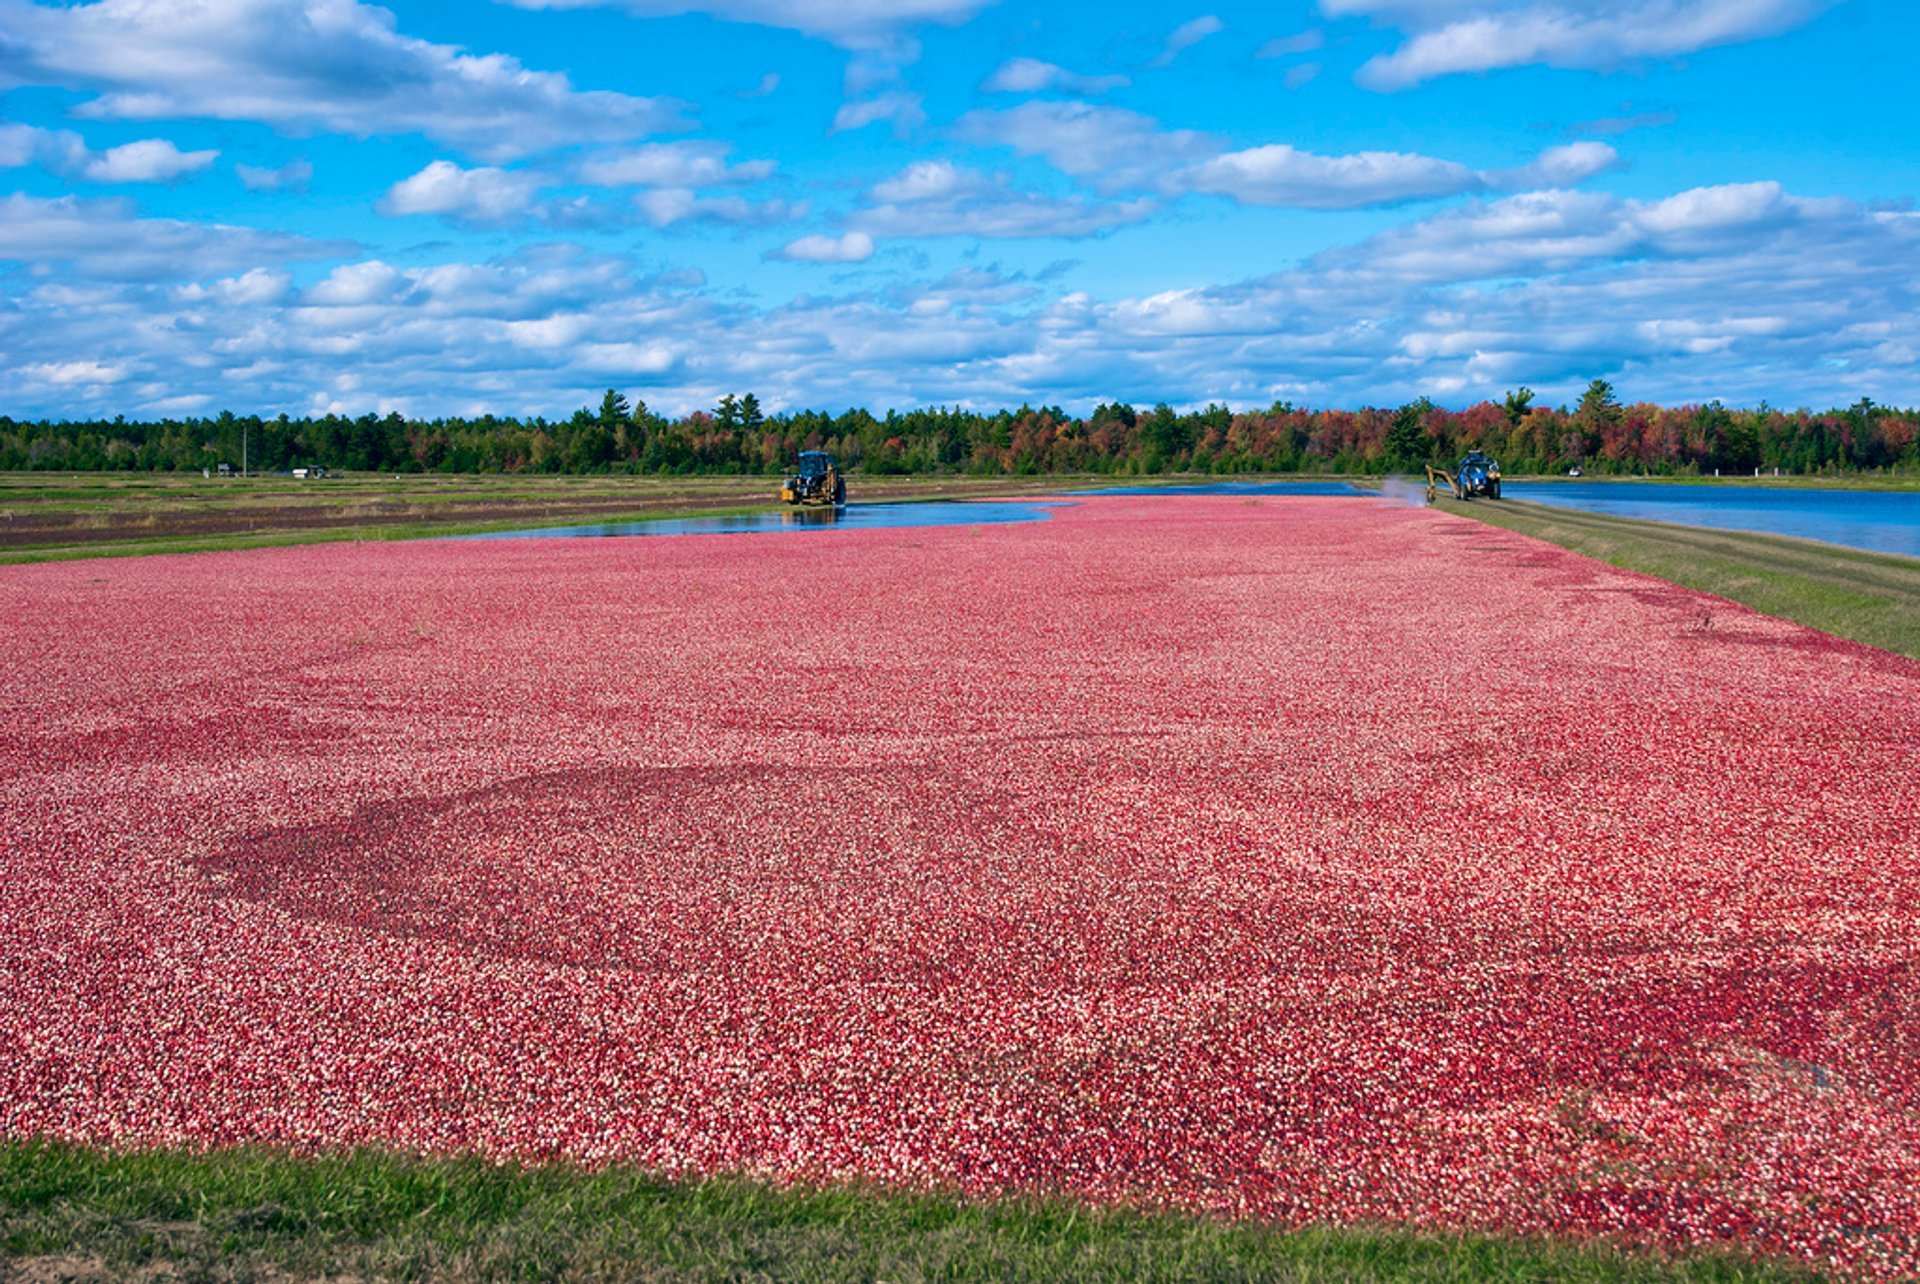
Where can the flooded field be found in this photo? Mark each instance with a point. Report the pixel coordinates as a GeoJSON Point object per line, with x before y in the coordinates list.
{"type": "Point", "coordinates": [1149, 853]}
{"type": "Point", "coordinates": [979, 512]}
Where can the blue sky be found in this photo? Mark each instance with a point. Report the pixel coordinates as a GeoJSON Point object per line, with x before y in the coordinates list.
{"type": "Point", "coordinates": [512, 205]}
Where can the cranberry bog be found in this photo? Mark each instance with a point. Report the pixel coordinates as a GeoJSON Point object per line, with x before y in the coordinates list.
{"type": "Point", "coordinates": [1295, 860]}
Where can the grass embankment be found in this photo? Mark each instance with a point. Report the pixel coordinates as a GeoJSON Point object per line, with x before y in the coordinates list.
{"type": "Point", "coordinates": [69, 1212]}
{"type": "Point", "coordinates": [59, 517]}
{"type": "Point", "coordinates": [1866, 597]}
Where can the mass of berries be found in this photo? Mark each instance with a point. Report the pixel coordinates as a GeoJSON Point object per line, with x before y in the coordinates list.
{"type": "Point", "coordinates": [1304, 859]}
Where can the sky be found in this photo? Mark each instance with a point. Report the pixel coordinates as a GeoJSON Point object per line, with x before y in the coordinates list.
{"type": "Point", "coordinates": [510, 206]}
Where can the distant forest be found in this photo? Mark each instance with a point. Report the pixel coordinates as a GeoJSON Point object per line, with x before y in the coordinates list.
{"type": "Point", "coordinates": [1599, 435]}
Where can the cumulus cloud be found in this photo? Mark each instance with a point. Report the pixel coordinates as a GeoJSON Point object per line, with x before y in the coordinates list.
{"type": "Point", "coordinates": [1119, 149]}
{"type": "Point", "coordinates": [105, 239]}
{"type": "Point", "coordinates": [1447, 37]}
{"type": "Point", "coordinates": [1281, 175]}
{"type": "Point", "coordinates": [357, 285]}
{"type": "Point", "coordinates": [853, 247]}
{"type": "Point", "coordinates": [1032, 76]}
{"type": "Point", "coordinates": [1186, 36]}
{"type": "Point", "coordinates": [938, 198]}
{"type": "Point", "coordinates": [298, 65]}
{"type": "Point", "coordinates": [899, 108]}
{"type": "Point", "coordinates": [1114, 147]}
{"type": "Point", "coordinates": [148, 160]}
{"type": "Point", "coordinates": [1557, 231]}
{"type": "Point", "coordinates": [1301, 42]}
{"type": "Point", "coordinates": [290, 177]}
{"type": "Point", "coordinates": [856, 24]}
{"type": "Point", "coordinates": [484, 196]}
{"type": "Point", "coordinates": [680, 164]}
{"type": "Point", "coordinates": [666, 206]}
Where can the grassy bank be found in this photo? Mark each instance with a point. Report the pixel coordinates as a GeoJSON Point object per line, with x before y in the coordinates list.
{"type": "Point", "coordinates": [1867, 597]}
{"type": "Point", "coordinates": [65, 1211]}
{"type": "Point", "coordinates": [55, 517]}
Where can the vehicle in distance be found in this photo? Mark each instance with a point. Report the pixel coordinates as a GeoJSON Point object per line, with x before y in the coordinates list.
{"type": "Point", "coordinates": [817, 480]}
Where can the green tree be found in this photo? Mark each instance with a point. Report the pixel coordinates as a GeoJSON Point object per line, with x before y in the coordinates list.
{"type": "Point", "coordinates": [1407, 441]}
{"type": "Point", "coordinates": [751, 417]}
{"type": "Point", "coordinates": [1516, 405]}
{"type": "Point", "coordinates": [614, 410]}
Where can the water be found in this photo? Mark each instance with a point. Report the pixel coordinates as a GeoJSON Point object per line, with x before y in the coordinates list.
{"type": "Point", "coordinates": [991, 512]}
{"type": "Point", "coordinates": [1878, 521]}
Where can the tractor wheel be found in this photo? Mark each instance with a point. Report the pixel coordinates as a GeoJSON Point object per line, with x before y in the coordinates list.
{"type": "Point", "coordinates": [839, 492]}
{"type": "Point", "coordinates": [1493, 491]}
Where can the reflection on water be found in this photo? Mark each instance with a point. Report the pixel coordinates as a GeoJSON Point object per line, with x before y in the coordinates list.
{"type": "Point", "coordinates": [1878, 521]}
{"type": "Point", "coordinates": [850, 517]}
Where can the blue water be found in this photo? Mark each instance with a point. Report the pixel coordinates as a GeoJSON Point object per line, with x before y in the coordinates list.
{"type": "Point", "coordinates": [1879, 521]}
{"type": "Point", "coordinates": [852, 517]}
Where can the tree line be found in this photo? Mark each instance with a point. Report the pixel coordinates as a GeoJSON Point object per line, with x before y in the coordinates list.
{"type": "Point", "coordinates": [1598, 435]}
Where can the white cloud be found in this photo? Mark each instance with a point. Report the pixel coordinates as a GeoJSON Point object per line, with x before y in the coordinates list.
{"type": "Point", "coordinates": [298, 65]}
{"type": "Point", "coordinates": [929, 181]}
{"type": "Point", "coordinates": [853, 247]}
{"type": "Point", "coordinates": [151, 160]}
{"type": "Point", "coordinates": [1281, 175]}
{"type": "Point", "coordinates": [680, 164]}
{"type": "Point", "coordinates": [1557, 231]}
{"type": "Point", "coordinates": [1564, 166]}
{"type": "Point", "coordinates": [1113, 146]}
{"type": "Point", "coordinates": [1032, 76]}
{"type": "Point", "coordinates": [356, 285]}
{"type": "Point", "coordinates": [1299, 43]}
{"type": "Point", "coordinates": [938, 198]}
{"type": "Point", "coordinates": [857, 24]}
{"type": "Point", "coordinates": [1447, 37]}
{"type": "Point", "coordinates": [59, 150]}
{"type": "Point", "coordinates": [1119, 149]}
{"type": "Point", "coordinates": [1186, 36]}
{"type": "Point", "coordinates": [251, 289]}
{"type": "Point", "coordinates": [105, 239]}
{"type": "Point", "coordinates": [902, 109]}
{"type": "Point", "coordinates": [666, 206]}
{"type": "Point", "coordinates": [292, 176]}
{"type": "Point", "coordinates": [68, 374]}
{"type": "Point", "coordinates": [147, 160]}
{"type": "Point", "coordinates": [491, 197]}
{"type": "Point", "coordinates": [484, 196]}
{"type": "Point", "coordinates": [1734, 292]}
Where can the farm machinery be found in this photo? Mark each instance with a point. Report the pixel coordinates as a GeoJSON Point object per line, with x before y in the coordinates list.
{"type": "Point", "coordinates": [1477, 474]}
{"type": "Point", "coordinates": [816, 481]}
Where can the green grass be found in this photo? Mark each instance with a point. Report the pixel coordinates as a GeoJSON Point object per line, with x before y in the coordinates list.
{"type": "Point", "coordinates": [60, 518]}
{"type": "Point", "coordinates": [423, 529]}
{"type": "Point", "coordinates": [248, 1214]}
{"type": "Point", "coordinates": [1867, 597]}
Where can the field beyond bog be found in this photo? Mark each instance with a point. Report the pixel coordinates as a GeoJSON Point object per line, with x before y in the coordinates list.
{"type": "Point", "coordinates": [1218, 853]}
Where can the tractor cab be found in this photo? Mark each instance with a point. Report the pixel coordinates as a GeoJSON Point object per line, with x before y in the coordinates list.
{"type": "Point", "coordinates": [1478, 474]}
{"type": "Point", "coordinates": [815, 480]}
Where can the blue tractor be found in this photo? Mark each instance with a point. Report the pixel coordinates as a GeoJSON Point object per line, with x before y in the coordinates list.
{"type": "Point", "coordinates": [1478, 474]}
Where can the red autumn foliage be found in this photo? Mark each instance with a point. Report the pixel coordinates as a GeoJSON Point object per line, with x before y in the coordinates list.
{"type": "Point", "coordinates": [1300, 859]}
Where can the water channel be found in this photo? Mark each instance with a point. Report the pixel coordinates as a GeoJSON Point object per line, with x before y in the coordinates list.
{"type": "Point", "coordinates": [1878, 521]}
